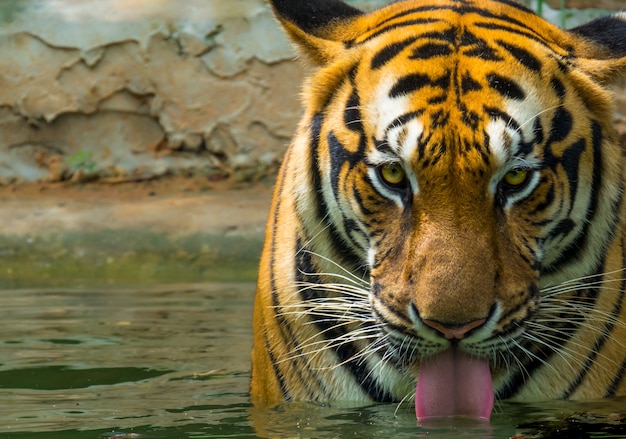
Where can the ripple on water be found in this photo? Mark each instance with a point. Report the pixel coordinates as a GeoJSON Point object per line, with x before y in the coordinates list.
{"type": "Point", "coordinates": [173, 362]}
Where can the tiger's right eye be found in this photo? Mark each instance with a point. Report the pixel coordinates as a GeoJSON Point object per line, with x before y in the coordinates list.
{"type": "Point", "coordinates": [393, 174]}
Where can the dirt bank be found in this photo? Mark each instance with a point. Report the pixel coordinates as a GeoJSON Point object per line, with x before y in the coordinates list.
{"type": "Point", "coordinates": [164, 230]}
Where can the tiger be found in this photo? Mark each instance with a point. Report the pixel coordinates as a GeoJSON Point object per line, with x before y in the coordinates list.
{"type": "Point", "coordinates": [447, 225]}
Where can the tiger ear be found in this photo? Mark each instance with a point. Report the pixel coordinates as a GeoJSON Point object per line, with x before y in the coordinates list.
{"type": "Point", "coordinates": [318, 27]}
{"type": "Point", "coordinates": [603, 52]}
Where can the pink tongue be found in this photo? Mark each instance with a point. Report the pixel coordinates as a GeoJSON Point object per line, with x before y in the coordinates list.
{"type": "Point", "coordinates": [454, 383]}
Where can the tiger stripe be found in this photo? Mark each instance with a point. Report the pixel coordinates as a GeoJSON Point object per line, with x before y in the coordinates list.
{"type": "Point", "coordinates": [504, 206]}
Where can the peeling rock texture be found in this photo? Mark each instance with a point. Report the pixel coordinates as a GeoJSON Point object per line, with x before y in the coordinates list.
{"type": "Point", "coordinates": [133, 89]}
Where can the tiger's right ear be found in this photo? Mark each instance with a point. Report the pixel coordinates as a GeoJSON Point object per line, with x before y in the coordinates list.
{"type": "Point", "coordinates": [601, 48]}
{"type": "Point", "coordinates": [318, 27]}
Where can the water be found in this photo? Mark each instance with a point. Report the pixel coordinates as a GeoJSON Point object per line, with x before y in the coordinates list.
{"type": "Point", "coordinates": [173, 362]}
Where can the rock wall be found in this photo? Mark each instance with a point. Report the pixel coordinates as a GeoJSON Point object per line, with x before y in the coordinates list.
{"type": "Point", "coordinates": [132, 89]}
{"type": "Point", "coordinates": [136, 88]}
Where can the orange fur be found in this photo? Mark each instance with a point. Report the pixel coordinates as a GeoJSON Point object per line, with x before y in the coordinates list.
{"type": "Point", "coordinates": [458, 93]}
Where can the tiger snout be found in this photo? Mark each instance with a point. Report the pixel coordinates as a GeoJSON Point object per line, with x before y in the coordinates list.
{"type": "Point", "coordinates": [454, 283]}
{"type": "Point", "coordinates": [452, 308]}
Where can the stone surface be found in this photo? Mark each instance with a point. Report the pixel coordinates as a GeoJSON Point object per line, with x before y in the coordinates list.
{"type": "Point", "coordinates": [142, 87]}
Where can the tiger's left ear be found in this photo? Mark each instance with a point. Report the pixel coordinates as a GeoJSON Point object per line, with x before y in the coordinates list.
{"type": "Point", "coordinates": [602, 52]}
{"type": "Point", "coordinates": [318, 27]}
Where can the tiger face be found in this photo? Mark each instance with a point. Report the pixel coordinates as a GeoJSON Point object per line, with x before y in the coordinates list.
{"type": "Point", "coordinates": [459, 157]}
{"type": "Point", "coordinates": [452, 196]}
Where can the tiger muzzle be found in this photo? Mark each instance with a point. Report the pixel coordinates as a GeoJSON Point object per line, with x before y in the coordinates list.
{"type": "Point", "coordinates": [456, 284]}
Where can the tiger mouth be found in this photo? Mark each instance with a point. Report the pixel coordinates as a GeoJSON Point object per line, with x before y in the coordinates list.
{"type": "Point", "coordinates": [452, 379]}
{"type": "Point", "coordinates": [412, 340]}
{"type": "Point", "coordinates": [409, 348]}
{"type": "Point", "coordinates": [454, 374]}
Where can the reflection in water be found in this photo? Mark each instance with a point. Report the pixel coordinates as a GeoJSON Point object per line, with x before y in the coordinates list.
{"type": "Point", "coordinates": [173, 362]}
{"type": "Point", "coordinates": [119, 359]}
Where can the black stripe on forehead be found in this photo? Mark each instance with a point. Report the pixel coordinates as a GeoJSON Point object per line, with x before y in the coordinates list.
{"type": "Point", "coordinates": [476, 47]}
{"type": "Point", "coordinates": [416, 81]}
{"type": "Point", "coordinates": [408, 23]}
{"type": "Point", "coordinates": [409, 84]}
{"type": "Point", "coordinates": [395, 22]}
{"type": "Point", "coordinates": [505, 87]}
{"type": "Point", "coordinates": [431, 50]}
{"type": "Point", "coordinates": [384, 147]}
{"type": "Point", "coordinates": [526, 58]}
{"type": "Point", "coordinates": [389, 52]}
{"type": "Point", "coordinates": [523, 31]}
{"type": "Point", "coordinates": [461, 9]}
{"type": "Point", "coordinates": [403, 120]}
{"type": "Point", "coordinates": [497, 114]}
{"type": "Point", "coordinates": [436, 43]}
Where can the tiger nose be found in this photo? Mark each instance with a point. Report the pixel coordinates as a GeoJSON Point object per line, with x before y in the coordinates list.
{"type": "Point", "coordinates": [454, 331]}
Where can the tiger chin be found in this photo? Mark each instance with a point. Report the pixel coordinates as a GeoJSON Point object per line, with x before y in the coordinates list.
{"type": "Point", "coordinates": [448, 222]}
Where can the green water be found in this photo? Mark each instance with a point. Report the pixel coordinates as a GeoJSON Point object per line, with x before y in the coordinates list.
{"type": "Point", "coordinates": [173, 362]}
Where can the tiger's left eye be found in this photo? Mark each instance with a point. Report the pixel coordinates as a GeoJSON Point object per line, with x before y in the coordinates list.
{"type": "Point", "coordinates": [393, 174]}
{"type": "Point", "coordinates": [516, 178]}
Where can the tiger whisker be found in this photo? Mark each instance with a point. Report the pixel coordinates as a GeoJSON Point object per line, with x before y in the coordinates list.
{"type": "Point", "coordinates": [598, 275]}
{"type": "Point", "coordinates": [559, 313]}
{"type": "Point", "coordinates": [533, 117]}
{"type": "Point", "coordinates": [352, 290]}
{"type": "Point", "coordinates": [327, 344]}
{"type": "Point", "coordinates": [583, 279]}
{"type": "Point", "coordinates": [581, 287]}
{"type": "Point", "coordinates": [368, 351]}
{"type": "Point", "coordinates": [544, 331]}
{"type": "Point", "coordinates": [346, 309]}
{"type": "Point", "coordinates": [545, 339]}
{"type": "Point", "coordinates": [407, 397]}
{"type": "Point", "coordinates": [556, 312]}
{"type": "Point", "coordinates": [568, 354]}
{"type": "Point", "coordinates": [351, 277]}
{"type": "Point", "coordinates": [531, 356]}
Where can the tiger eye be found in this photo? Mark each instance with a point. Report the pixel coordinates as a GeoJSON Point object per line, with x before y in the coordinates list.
{"type": "Point", "coordinates": [393, 174]}
{"type": "Point", "coordinates": [516, 177]}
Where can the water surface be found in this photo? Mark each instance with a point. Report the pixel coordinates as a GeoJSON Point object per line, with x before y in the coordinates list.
{"type": "Point", "coordinates": [173, 362]}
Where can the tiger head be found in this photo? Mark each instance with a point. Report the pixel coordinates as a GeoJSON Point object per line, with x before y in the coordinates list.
{"type": "Point", "coordinates": [466, 157]}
